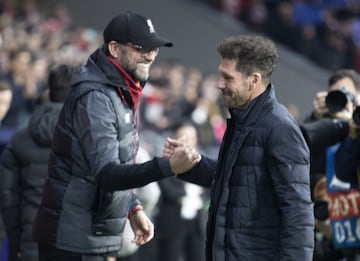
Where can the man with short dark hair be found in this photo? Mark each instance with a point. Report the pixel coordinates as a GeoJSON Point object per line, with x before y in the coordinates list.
{"type": "Point", "coordinates": [260, 207]}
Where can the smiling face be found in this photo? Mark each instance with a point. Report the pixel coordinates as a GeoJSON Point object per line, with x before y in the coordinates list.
{"type": "Point", "coordinates": [235, 87]}
{"type": "Point", "coordinates": [246, 65]}
{"type": "Point", "coordinates": [137, 63]}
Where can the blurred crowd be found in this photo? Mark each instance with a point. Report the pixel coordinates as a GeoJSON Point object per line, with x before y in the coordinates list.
{"type": "Point", "coordinates": [325, 31]}
{"type": "Point", "coordinates": [30, 43]}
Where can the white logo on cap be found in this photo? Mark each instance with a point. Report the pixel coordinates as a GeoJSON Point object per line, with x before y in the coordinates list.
{"type": "Point", "coordinates": [151, 27]}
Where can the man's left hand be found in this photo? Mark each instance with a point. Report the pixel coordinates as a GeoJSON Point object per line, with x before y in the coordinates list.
{"type": "Point", "coordinates": [142, 227]}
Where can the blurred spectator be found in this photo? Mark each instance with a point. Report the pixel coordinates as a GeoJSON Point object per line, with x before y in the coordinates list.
{"type": "Point", "coordinates": [5, 102]}
{"type": "Point", "coordinates": [209, 115]}
{"type": "Point", "coordinates": [165, 98]}
{"type": "Point", "coordinates": [320, 121]}
{"type": "Point", "coordinates": [293, 109]}
{"type": "Point", "coordinates": [149, 196]}
{"type": "Point", "coordinates": [5, 136]}
{"type": "Point", "coordinates": [24, 165]}
{"type": "Point", "coordinates": [343, 191]}
{"type": "Point", "coordinates": [180, 213]}
{"type": "Point", "coordinates": [175, 94]}
{"type": "Point", "coordinates": [281, 26]}
{"type": "Point", "coordinates": [324, 247]}
{"type": "Point", "coordinates": [347, 161]}
{"type": "Point", "coordinates": [20, 79]}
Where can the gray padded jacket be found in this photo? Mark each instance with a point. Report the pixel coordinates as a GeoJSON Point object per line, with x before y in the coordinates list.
{"type": "Point", "coordinates": [86, 197]}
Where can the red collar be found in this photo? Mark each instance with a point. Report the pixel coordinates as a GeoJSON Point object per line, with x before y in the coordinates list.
{"type": "Point", "coordinates": [133, 87]}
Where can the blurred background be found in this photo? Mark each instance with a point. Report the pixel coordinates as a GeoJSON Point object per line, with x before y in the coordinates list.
{"type": "Point", "coordinates": [197, 26]}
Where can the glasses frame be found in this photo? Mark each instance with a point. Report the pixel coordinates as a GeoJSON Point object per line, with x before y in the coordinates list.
{"type": "Point", "coordinates": [144, 50]}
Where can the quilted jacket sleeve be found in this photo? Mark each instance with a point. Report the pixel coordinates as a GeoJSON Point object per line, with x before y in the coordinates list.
{"type": "Point", "coordinates": [288, 162]}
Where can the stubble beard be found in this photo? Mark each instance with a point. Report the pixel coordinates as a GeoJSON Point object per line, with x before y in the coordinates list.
{"type": "Point", "coordinates": [141, 71]}
{"type": "Point", "coordinates": [133, 68]}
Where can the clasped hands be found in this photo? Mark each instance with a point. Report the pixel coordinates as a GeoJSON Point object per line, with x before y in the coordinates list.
{"type": "Point", "coordinates": [182, 156]}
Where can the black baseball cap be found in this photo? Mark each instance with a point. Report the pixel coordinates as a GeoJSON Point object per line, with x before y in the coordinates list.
{"type": "Point", "coordinates": [134, 28]}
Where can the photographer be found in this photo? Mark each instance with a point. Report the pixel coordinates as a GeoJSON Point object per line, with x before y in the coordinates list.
{"type": "Point", "coordinates": [328, 125]}
{"type": "Point", "coordinates": [343, 79]}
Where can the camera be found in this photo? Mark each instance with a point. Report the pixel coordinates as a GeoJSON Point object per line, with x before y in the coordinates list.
{"type": "Point", "coordinates": [336, 100]}
{"type": "Point", "coordinates": [324, 132]}
{"type": "Point", "coordinates": [329, 131]}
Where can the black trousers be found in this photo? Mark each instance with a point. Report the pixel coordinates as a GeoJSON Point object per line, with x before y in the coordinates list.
{"type": "Point", "coordinates": [47, 253]}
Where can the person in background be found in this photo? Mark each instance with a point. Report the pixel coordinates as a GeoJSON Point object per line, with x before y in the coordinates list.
{"type": "Point", "coordinates": [23, 88]}
{"type": "Point", "coordinates": [324, 249]}
{"type": "Point", "coordinates": [346, 80]}
{"type": "Point", "coordinates": [260, 205]}
{"type": "Point", "coordinates": [347, 157]}
{"type": "Point", "coordinates": [5, 135]}
{"type": "Point", "coordinates": [180, 212]}
{"type": "Point", "coordinates": [87, 196]}
{"type": "Point", "coordinates": [149, 196]}
{"type": "Point", "coordinates": [347, 169]}
{"type": "Point", "coordinates": [324, 128]}
{"type": "Point", "coordinates": [24, 165]}
{"type": "Point", "coordinates": [6, 96]}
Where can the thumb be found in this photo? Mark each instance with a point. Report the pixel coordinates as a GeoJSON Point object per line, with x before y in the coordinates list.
{"type": "Point", "coordinates": [176, 142]}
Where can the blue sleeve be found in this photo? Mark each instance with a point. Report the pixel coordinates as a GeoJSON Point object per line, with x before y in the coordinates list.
{"type": "Point", "coordinates": [347, 159]}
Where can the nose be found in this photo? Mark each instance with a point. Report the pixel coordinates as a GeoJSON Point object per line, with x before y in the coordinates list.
{"type": "Point", "coordinates": [221, 84]}
{"type": "Point", "coordinates": [150, 56]}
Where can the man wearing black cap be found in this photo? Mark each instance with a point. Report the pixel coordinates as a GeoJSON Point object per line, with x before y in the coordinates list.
{"type": "Point", "coordinates": [86, 198]}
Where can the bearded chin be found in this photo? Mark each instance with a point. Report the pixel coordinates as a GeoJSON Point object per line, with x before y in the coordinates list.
{"type": "Point", "coordinates": [140, 76]}
{"type": "Point", "coordinates": [137, 77]}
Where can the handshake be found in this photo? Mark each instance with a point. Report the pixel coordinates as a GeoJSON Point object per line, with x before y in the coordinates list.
{"type": "Point", "coordinates": [182, 156]}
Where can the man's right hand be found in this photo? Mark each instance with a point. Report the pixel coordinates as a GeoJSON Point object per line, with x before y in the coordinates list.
{"type": "Point", "coordinates": [182, 157]}
{"type": "Point", "coordinates": [319, 104]}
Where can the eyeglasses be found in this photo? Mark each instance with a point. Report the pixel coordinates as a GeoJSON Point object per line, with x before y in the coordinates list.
{"type": "Point", "coordinates": [144, 50]}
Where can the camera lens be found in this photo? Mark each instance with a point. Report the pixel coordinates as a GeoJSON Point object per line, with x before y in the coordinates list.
{"type": "Point", "coordinates": [324, 132]}
{"type": "Point", "coordinates": [336, 101]}
{"type": "Point", "coordinates": [321, 211]}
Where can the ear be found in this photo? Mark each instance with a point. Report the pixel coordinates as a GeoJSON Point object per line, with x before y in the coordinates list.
{"type": "Point", "coordinates": [114, 49]}
{"type": "Point", "coordinates": [255, 80]}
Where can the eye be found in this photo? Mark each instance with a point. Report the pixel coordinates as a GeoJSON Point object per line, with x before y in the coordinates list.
{"type": "Point", "coordinates": [227, 78]}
